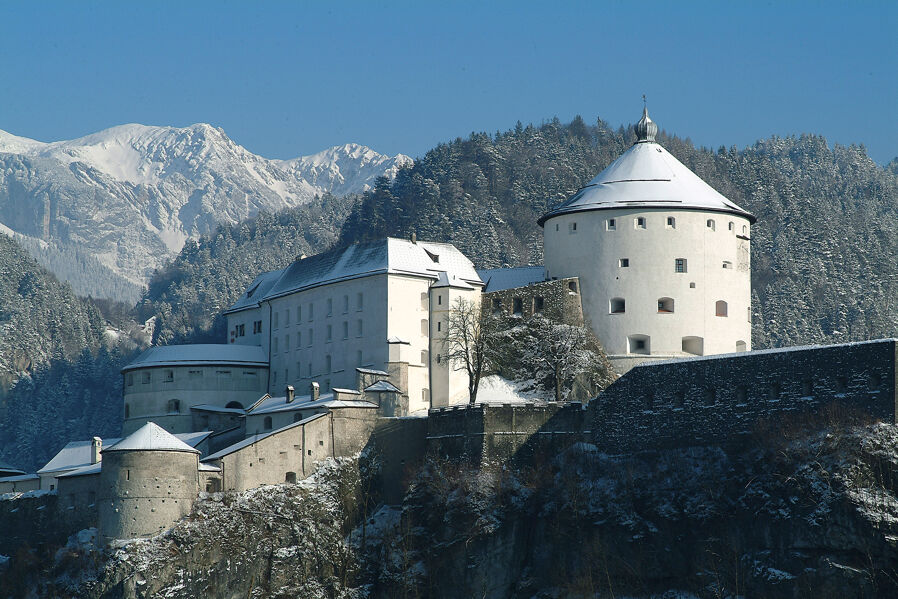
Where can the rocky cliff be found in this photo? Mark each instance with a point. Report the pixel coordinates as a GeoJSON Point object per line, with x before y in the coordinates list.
{"type": "Point", "coordinates": [804, 513]}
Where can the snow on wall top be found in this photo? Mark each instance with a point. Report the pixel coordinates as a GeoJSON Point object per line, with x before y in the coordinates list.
{"type": "Point", "coordinates": [256, 438]}
{"type": "Point", "coordinates": [151, 437]}
{"type": "Point", "coordinates": [271, 405]}
{"type": "Point", "coordinates": [198, 355]}
{"type": "Point", "coordinates": [499, 279]}
{"type": "Point", "coordinates": [383, 256]}
{"type": "Point", "coordinates": [647, 176]}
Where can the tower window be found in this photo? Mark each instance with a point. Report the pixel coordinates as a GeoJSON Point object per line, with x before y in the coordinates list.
{"type": "Point", "coordinates": [611, 224]}
{"type": "Point", "coordinates": [745, 229]}
{"type": "Point", "coordinates": [665, 305]}
{"type": "Point", "coordinates": [693, 345]}
{"type": "Point", "coordinates": [624, 263]}
{"type": "Point", "coordinates": [710, 224]}
{"type": "Point", "coordinates": [617, 305]}
{"type": "Point", "coordinates": [640, 222]}
{"type": "Point", "coordinates": [671, 222]}
{"type": "Point", "coordinates": [680, 265]}
{"type": "Point", "coordinates": [572, 228]}
{"type": "Point", "coordinates": [731, 226]}
{"type": "Point", "coordinates": [741, 346]}
{"type": "Point", "coordinates": [720, 308]}
{"type": "Point", "coordinates": [639, 344]}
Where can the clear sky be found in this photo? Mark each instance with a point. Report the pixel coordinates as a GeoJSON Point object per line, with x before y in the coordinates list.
{"type": "Point", "coordinates": [290, 78]}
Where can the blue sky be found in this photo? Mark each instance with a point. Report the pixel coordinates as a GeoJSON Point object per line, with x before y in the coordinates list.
{"type": "Point", "coordinates": [291, 78]}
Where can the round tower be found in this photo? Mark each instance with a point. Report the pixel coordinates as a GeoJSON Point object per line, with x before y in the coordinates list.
{"type": "Point", "coordinates": [663, 259]}
{"type": "Point", "coordinates": [148, 481]}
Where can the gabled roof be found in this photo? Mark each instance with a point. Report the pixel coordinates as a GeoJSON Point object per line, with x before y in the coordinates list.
{"type": "Point", "coordinates": [151, 437]}
{"type": "Point", "coordinates": [383, 256]}
{"type": "Point", "coordinates": [271, 405]}
{"type": "Point", "coordinates": [647, 176]}
{"type": "Point", "coordinates": [201, 354]}
{"type": "Point", "coordinates": [498, 279]}
{"type": "Point", "coordinates": [83, 470]}
{"type": "Point", "coordinates": [9, 470]}
{"type": "Point", "coordinates": [382, 386]}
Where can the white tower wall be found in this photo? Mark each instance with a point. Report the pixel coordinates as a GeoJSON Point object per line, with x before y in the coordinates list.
{"type": "Point", "coordinates": [583, 244]}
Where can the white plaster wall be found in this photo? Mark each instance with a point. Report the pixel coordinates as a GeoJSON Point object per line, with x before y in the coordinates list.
{"type": "Point", "coordinates": [592, 253]}
{"type": "Point", "coordinates": [449, 382]}
{"type": "Point", "coordinates": [408, 317]}
{"type": "Point", "coordinates": [290, 360]}
{"type": "Point", "coordinates": [247, 318]}
{"type": "Point", "coordinates": [192, 385]}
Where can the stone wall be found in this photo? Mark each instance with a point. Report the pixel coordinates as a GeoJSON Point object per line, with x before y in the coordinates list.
{"type": "Point", "coordinates": [559, 300]}
{"type": "Point", "coordinates": [397, 448]}
{"type": "Point", "coordinates": [718, 400]}
{"type": "Point", "coordinates": [518, 434]}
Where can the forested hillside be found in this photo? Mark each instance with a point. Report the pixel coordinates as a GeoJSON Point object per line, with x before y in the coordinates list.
{"type": "Point", "coordinates": [58, 381]}
{"type": "Point", "coordinates": [822, 250]}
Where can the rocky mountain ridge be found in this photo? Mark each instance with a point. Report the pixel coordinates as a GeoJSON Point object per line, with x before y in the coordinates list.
{"type": "Point", "coordinates": [127, 198]}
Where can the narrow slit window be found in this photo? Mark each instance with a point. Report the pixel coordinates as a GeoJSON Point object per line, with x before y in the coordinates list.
{"type": "Point", "coordinates": [671, 222]}
{"type": "Point", "coordinates": [611, 224]}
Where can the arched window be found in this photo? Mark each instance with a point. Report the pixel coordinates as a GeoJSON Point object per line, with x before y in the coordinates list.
{"type": "Point", "coordinates": [234, 405]}
{"type": "Point", "coordinates": [267, 423]}
{"type": "Point", "coordinates": [731, 226]}
{"type": "Point", "coordinates": [745, 230]}
{"type": "Point", "coordinates": [665, 305]}
{"type": "Point", "coordinates": [617, 305]}
{"type": "Point", "coordinates": [720, 308]}
{"type": "Point", "coordinates": [741, 346]}
{"type": "Point", "coordinates": [710, 223]}
{"type": "Point", "coordinates": [639, 344]}
{"type": "Point", "coordinates": [174, 406]}
{"type": "Point", "coordinates": [693, 345]}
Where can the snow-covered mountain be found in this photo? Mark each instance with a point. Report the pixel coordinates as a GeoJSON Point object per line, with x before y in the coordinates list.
{"type": "Point", "coordinates": [127, 198]}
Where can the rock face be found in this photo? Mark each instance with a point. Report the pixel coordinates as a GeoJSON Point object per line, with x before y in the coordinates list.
{"type": "Point", "coordinates": [131, 195]}
{"type": "Point", "coordinates": [803, 514]}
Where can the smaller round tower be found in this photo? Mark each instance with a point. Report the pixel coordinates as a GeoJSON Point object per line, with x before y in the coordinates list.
{"type": "Point", "coordinates": [148, 481]}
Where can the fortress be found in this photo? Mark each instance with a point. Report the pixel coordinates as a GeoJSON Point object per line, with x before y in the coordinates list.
{"type": "Point", "coordinates": [648, 255]}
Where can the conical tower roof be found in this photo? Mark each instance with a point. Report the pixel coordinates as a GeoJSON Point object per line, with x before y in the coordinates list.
{"type": "Point", "coordinates": [647, 176]}
{"type": "Point", "coordinates": [150, 437]}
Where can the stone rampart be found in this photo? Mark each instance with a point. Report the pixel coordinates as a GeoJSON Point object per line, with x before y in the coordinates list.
{"type": "Point", "coordinates": [719, 400]}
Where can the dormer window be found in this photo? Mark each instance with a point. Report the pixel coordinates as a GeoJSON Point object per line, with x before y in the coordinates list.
{"type": "Point", "coordinates": [433, 257]}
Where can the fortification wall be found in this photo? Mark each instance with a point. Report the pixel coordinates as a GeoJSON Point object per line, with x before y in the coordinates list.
{"type": "Point", "coordinates": [558, 300]}
{"type": "Point", "coordinates": [78, 497]}
{"type": "Point", "coordinates": [143, 492]}
{"type": "Point", "coordinates": [719, 400]}
{"type": "Point", "coordinates": [518, 434]}
{"type": "Point", "coordinates": [398, 446]}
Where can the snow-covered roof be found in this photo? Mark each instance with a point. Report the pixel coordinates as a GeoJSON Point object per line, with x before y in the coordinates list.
{"type": "Point", "coordinates": [647, 176]}
{"type": "Point", "coordinates": [210, 408]}
{"type": "Point", "coordinates": [208, 468]}
{"type": "Point", "coordinates": [74, 455]}
{"type": "Point", "coordinates": [372, 371]}
{"type": "Point", "coordinates": [152, 437]}
{"type": "Point", "coordinates": [201, 354]}
{"type": "Point", "coordinates": [382, 386]}
{"type": "Point", "coordinates": [498, 279]}
{"type": "Point", "coordinates": [447, 280]}
{"type": "Point", "coordinates": [395, 339]}
{"type": "Point", "coordinates": [4, 467]}
{"type": "Point", "coordinates": [257, 290]}
{"type": "Point", "coordinates": [83, 470]}
{"type": "Point", "coordinates": [256, 438]}
{"type": "Point", "coordinates": [270, 405]}
{"type": "Point", "coordinates": [383, 256]}
{"type": "Point", "coordinates": [18, 478]}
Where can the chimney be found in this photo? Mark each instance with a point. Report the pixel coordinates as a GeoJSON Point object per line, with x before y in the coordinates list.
{"type": "Point", "coordinates": [414, 237]}
{"type": "Point", "coordinates": [314, 390]}
{"type": "Point", "coordinates": [96, 445]}
{"type": "Point", "coordinates": [289, 393]}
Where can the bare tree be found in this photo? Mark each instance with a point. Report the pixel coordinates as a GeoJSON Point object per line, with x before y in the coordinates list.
{"type": "Point", "coordinates": [467, 341]}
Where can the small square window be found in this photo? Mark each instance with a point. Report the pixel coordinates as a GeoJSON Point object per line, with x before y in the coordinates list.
{"type": "Point", "coordinates": [611, 224]}
{"type": "Point", "coordinates": [639, 223]}
{"type": "Point", "coordinates": [624, 263]}
{"type": "Point", "coordinates": [671, 222]}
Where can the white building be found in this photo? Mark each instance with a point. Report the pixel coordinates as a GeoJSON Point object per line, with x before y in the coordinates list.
{"type": "Point", "coordinates": [663, 259]}
{"type": "Point", "coordinates": [377, 305]}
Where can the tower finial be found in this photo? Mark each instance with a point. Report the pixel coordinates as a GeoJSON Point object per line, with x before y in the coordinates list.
{"type": "Point", "coordinates": [646, 129]}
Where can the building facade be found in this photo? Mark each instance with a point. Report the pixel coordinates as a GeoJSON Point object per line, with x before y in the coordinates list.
{"type": "Point", "coordinates": [663, 259]}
